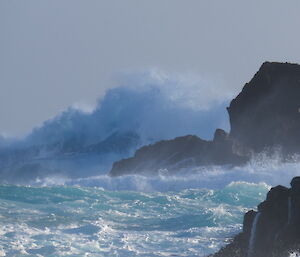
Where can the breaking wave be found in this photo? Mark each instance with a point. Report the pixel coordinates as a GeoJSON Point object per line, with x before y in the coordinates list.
{"type": "Point", "coordinates": [154, 105]}
{"type": "Point", "coordinates": [145, 108]}
{"type": "Point", "coordinates": [191, 213]}
{"type": "Point", "coordinates": [271, 171]}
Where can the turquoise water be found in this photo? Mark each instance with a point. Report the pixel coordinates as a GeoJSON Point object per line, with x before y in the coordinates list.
{"type": "Point", "coordinates": [92, 221]}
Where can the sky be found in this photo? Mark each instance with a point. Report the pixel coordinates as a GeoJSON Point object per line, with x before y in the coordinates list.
{"type": "Point", "coordinates": [57, 53]}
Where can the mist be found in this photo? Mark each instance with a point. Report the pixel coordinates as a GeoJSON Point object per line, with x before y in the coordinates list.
{"type": "Point", "coordinates": [154, 105]}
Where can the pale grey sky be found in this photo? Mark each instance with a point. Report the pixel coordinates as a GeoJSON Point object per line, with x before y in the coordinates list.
{"type": "Point", "coordinates": [54, 53]}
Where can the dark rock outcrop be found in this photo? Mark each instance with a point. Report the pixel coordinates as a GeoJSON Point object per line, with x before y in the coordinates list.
{"type": "Point", "coordinates": [266, 113]}
{"type": "Point", "coordinates": [265, 116]}
{"type": "Point", "coordinates": [181, 152]}
{"type": "Point", "coordinates": [273, 231]}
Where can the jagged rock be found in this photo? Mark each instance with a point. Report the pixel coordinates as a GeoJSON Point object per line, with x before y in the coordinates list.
{"type": "Point", "coordinates": [274, 234]}
{"type": "Point", "coordinates": [295, 202]}
{"type": "Point", "coordinates": [181, 152]}
{"type": "Point", "coordinates": [295, 185]}
{"type": "Point", "coordinates": [220, 136]}
{"type": "Point", "coordinates": [248, 220]}
{"type": "Point", "coordinates": [266, 113]}
{"type": "Point", "coordinates": [234, 249]}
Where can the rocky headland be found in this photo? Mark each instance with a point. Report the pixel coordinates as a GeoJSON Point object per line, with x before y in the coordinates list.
{"type": "Point", "coordinates": [264, 117]}
{"type": "Point", "coordinates": [181, 152]}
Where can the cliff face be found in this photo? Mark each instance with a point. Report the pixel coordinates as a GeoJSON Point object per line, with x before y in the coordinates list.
{"type": "Point", "coordinates": [273, 230]}
{"type": "Point", "coordinates": [263, 117]}
{"type": "Point", "coordinates": [266, 113]}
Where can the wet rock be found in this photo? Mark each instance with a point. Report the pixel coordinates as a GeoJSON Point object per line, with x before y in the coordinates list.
{"type": "Point", "coordinates": [275, 235]}
{"type": "Point", "coordinates": [295, 185]}
{"type": "Point", "coordinates": [177, 154]}
{"type": "Point", "coordinates": [248, 220]}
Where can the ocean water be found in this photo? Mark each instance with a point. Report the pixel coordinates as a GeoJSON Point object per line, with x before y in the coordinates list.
{"type": "Point", "coordinates": [192, 213]}
{"type": "Point", "coordinates": [92, 221]}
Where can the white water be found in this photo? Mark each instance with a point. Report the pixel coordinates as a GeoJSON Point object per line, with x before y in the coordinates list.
{"type": "Point", "coordinates": [191, 213]}
{"type": "Point", "coordinates": [260, 170]}
{"type": "Point", "coordinates": [252, 240]}
{"type": "Point", "coordinates": [87, 221]}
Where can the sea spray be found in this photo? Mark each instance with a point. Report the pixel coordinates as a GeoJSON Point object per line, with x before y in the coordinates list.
{"type": "Point", "coordinates": [79, 144]}
{"type": "Point", "coordinates": [294, 254]}
{"type": "Point", "coordinates": [252, 240]}
{"type": "Point", "coordinates": [271, 173]}
{"type": "Point", "coordinates": [164, 103]}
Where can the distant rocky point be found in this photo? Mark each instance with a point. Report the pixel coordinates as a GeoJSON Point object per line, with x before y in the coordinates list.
{"type": "Point", "coordinates": [265, 116]}
{"type": "Point", "coordinates": [181, 152]}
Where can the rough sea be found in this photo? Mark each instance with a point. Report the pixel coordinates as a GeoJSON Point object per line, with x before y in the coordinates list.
{"type": "Point", "coordinates": [190, 214]}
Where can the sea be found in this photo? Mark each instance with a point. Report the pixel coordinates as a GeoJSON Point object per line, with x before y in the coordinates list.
{"type": "Point", "coordinates": [193, 213]}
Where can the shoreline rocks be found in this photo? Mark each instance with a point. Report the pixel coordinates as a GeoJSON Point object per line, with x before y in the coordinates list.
{"type": "Point", "coordinates": [271, 231]}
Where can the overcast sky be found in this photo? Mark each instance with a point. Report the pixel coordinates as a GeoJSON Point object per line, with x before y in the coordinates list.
{"type": "Point", "coordinates": [54, 53]}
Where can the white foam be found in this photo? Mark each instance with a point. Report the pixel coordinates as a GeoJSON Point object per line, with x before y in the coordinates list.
{"type": "Point", "coordinates": [264, 172]}
{"type": "Point", "coordinates": [252, 240]}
